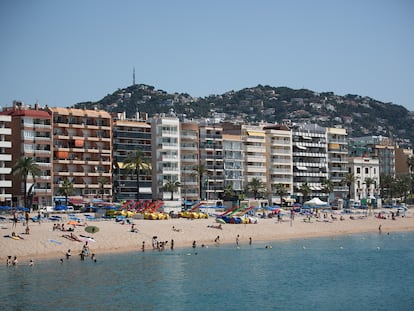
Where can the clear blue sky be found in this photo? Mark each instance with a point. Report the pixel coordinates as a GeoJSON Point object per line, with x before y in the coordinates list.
{"type": "Point", "coordinates": [63, 52]}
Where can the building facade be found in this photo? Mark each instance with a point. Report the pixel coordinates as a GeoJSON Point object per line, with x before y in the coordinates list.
{"type": "Point", "coordinates": [130, 135]}
{"type": "Point", "coordinates": [5, 160]}
{"type": "Point", "coordinates": [310, 159]}
{"type": "Point", "coordinates": [82, 152]}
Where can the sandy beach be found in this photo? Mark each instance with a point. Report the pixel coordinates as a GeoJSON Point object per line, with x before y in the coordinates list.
{"type": "Point", "coordinates": [43, 242]}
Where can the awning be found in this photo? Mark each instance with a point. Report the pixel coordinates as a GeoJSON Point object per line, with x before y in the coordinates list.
{"type": "Point", "coordinates": [76, 201]}
{"type": "Point", "coordinates": [302, 168]}
{"type": "Point", "coordinates": [301, 147]}
{"type": "Point", "coordinates": [251, 133]}
{"type": "Point", "coordinates": [307, 137]}
{"type": "Point", "coordinates": [123, 165]}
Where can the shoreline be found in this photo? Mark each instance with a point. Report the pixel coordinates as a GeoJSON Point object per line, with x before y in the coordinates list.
{"type": "Point", "coordinates": [44, 243]}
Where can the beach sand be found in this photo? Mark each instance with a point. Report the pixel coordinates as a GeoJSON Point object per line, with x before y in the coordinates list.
{"type": "Point", "coordinates": [45, 243]}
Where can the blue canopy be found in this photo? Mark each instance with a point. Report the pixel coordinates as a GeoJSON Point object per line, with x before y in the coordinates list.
{"type": "Point", "coordinates": [61, 208]}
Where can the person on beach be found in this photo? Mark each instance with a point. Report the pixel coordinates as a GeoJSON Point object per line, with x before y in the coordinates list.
{"type": "Point", "coordinates": [14, 219]}
{"type": "Point", "coordinates": [26, 216]}
{"type": "Point", "coordinates": [250, 240]}
{"type": "Point", "coordinates": [194, 244]}
{"type": "Point", "coordinates": [68, 254]}
{"type": "Point", "coordinates": [39, 217]}
{"type": "Point", "coordinates": [8, 261]}
{"type": "Point", "coordinates": [15, 261]}
{"type": "Point", "coordinates": [379, 229]}
{"type": "Point", "coordinates": [172, 244]}
{"type": "Point", "coordinates": [217, 240]}
{"type": "Point", "coordinates": [31, 263]}
{"type": "Point", "coordinates": [237, 240]}
{"type": "Point", "coordinates": [143, 246]}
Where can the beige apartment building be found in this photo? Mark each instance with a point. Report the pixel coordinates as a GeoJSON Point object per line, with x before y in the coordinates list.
{"type": "Point", "coordinates": [82, 152]}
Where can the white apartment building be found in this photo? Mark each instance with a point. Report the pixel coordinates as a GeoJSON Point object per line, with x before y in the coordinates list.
{"type": "Point", "coordinates": [364, 168]}
{"type": "Point", "coordinates": [233, 157]}
{"type": "Point", "coordinates": [189, 143]}
{"type": "Point", "coordinates": [279, 160]}
{"type": "Point", "coordinates": [5, 159]}
{"type": "Point", "coordinates": [254, 140]}
{"type": "Point", "coordinates": [310, 158]}
{"type": "Point", "coordinates": [166, 155]}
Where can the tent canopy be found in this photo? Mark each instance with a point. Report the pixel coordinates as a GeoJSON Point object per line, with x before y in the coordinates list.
{"type": "Point", "coordinates": [316, 201]}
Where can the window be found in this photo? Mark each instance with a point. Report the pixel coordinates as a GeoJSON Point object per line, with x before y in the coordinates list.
{"type": "Point", "coordinates": [358, 170]}
{"type": "Point", "coordinates": [366, 170]}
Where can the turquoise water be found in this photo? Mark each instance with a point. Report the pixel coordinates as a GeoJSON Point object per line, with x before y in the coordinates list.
{"type": "Point", "coordinates": [358, 272]}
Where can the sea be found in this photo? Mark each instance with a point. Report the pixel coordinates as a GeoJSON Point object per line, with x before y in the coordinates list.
{"type": "Point", "coordinates": [354, 272]}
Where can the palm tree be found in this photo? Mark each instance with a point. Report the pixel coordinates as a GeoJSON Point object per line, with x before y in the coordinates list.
{"type": "Point", "coordinates": [171, 186]}
{"type": "Point", "coordinates": [199, 171]}
{"type": "Point", "coordinates": [328, 187]}
{"type": "Point", "coordinates": [349, 180]}
{"type": "Point", "coordinates": [305, 189]}
{"type": "Point", "coordinates": [135, 162]}
{"type": "Point", "coordinates": [280, 190]}
{"type": "Point", "coordinates": [228, 192]}
{"type": "Point", "coordinates": [24, 167]}
{"type": "Point", "coordinates": [387, 186]}
{"type": "Point", "coordinates": [368, 182]}
{"type": "Point", "coordinates": [66, 189]}
{"type": "Point", "coordinates": [410, 162]}
{"type": "Point", "coordinates": [102, 182]}
{"type": "Point", "coordinates": [256, 186]}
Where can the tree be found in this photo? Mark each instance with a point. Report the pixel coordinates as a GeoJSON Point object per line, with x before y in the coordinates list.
{"type": "Point", "coordinates": [171, 186]}
{"type": "Point", "coordinates": [410, 162]}
{"type": "Point", "coordinates": [305, 189]}
{"type": "Point", "coordinates": [134, 163]}
{"type": "Point", "coordinates": [280, 190]}
{"type": "Point", "coordinates": [66, 189]}
{"type": "Point", "coordinates": [24, 167]}
{"type": "Point", "coordinates": [387, 187]}
{"type": "Point", "coordinates": [328, 186]}
{"type": "Point", "coordinates": [102, 182]}
{"type": "Point", "coordinates": [349, 180]}
{"type": "Point", "coordinates": [255, 186]}
{"type": "Point", "coordinates": [228, 192]}
{"type": "Point", "coordinates": [368, 182]}
{"type": "Point", "coordinates": [199, 171]}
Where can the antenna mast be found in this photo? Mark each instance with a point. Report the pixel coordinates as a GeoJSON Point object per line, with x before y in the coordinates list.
{"type": "Point", "coordinates": [133, 76]}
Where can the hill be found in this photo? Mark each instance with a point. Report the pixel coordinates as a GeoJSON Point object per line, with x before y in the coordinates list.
{"type": "Point", "coordinates": [361, 116]}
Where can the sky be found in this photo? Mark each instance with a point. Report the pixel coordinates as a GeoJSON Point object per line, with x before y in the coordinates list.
{"type": "Point", "coordinates": [59, 53]}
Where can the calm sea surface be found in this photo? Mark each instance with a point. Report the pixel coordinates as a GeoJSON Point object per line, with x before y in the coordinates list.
{"type": "Point", "coordinates": [358, 272]}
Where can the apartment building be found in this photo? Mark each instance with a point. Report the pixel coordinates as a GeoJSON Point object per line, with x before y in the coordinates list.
{"type": "Point", "coordinates": [366, 171]}
{"type": "Point", "coordinates": [233, 163]}
{"type": "Point", "coordinates": [82, 152]}
{"type": "Point", "coordinates": [279, 161]}
{"type": "Point", "coordinates": [211, 156]}
{"type": "Point", "coordinates": [5, 160]}
{"type": "Point", "coordinates": [337, 161]}
{"type": "Point", "coordinates": [31, 137]}
{"type": "Point", "coordinates": [377, 147]}
{"type": "Point", "coordinates": [166, 159]}
{"type": "Point", "coordinates": [190, 160]}
{"type": "Point", "coordinates": [310, 159]}
{"type": "Point", "coordinates": [128, 136]}
{"type": "Point", "coordinates": [402, 157]}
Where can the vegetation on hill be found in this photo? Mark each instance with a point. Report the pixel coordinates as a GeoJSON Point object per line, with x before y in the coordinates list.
{"type": "Point", "coordinates": [361, 116]}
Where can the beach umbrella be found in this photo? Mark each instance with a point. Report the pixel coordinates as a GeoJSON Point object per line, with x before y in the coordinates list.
{"type": "Point", "coordinates": [91, 229]}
